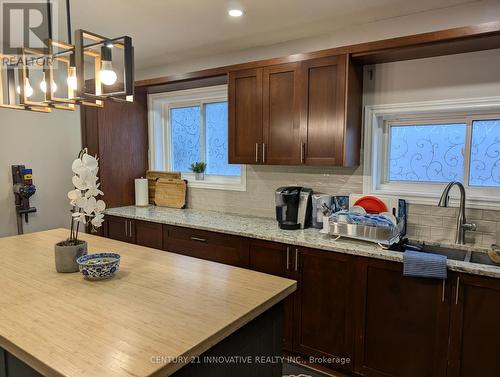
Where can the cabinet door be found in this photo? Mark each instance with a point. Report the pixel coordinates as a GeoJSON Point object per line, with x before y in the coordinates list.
{"type": "Point", "coordinates": [149, 234]}
{"type": "Point", "coordinates": [401, 322]}
{"type": "Point", "coordinates": [245, 116]}
{"type": "Point", "coordinates": [324, 307]}
{"type": "Point", "coordinates": [275, 259]}
{"type": "Point", "coordinates": [323, 110]}
{"type": "Point", "coordinates": [475, 327]}
{"type": "Point", "coordinates": [281, 121]}
{"type": "Point", "coordinates": [216, 247]}
{"type": "Point", "coordinates": [118, 133]}
{"type": "Point", "coordinates": [120, 229]}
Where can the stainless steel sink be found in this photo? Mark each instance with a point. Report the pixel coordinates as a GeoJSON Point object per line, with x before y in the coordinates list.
{"type": "Point", "coordinates": [482, 258]}
{"type": "Point", "coordinates": [454, 254]}
{"type": "Point", "coordinates": [460, 255]}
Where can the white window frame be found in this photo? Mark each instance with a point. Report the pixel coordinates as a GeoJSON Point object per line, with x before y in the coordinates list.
{"type": "Point", "coordinates": [377, 121]}
{"type": "Point", "coordinates": [160, 157]}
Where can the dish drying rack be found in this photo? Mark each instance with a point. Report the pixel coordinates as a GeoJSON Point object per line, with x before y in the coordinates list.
{"type": "Point", "coordinates": [384, 237]}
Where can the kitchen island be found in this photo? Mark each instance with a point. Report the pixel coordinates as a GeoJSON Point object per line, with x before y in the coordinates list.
{"type": "Point", "coordinates": [160, 312]}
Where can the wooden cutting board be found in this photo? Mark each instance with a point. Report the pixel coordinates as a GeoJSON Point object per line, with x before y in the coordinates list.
{"type": "Point", "coordinates": [153, 176]}
{"type": "Point", "coordinates": [170, 193]}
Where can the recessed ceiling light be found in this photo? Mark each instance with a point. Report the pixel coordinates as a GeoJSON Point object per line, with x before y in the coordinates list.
{"type": "Point", "coordinates": [235, 12]}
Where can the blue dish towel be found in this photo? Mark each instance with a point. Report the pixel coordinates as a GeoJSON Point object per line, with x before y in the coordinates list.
{"type": "Point", "coordinates": [422, 264]}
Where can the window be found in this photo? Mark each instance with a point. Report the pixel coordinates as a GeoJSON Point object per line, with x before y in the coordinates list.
{"type": "Point", "coordinates": [412, 150]}
{"type": "Point", "coordinates": [189, 126]}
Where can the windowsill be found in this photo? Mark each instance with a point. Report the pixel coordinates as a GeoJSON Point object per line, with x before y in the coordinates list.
{"type": "Point", "coordinates": [218, 182]}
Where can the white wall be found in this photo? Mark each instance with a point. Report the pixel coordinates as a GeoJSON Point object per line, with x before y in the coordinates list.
{"type": "Point", "coordinates": [47, 143]}
{"type": "Point", "coordinates": [470, 75]}
{"type": "Point", "coordinates": [461, 15]}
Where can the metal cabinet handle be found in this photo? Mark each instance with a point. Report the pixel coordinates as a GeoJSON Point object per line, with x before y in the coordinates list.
{"type": "Point", "coordinates": [456, 293]}
{"type": "Point", "coordinates": [126, 228]}
{"type": "Point", "coordinates": [444, 289]}
{"type": "Point", "coordinates": [256, 152]}
{"type": "Point", "coordinates": [296, 259]}
{"type": "Point", "coordinates": [198, 239]}
{"type": "Point", "coordinates": [288, 257]}
{"type": "Point", "coordinates": [302, 152]}
{"type": "Point", "coordinates": [263, 152]}
{"type": "Point", "coordinates": [130, 228]}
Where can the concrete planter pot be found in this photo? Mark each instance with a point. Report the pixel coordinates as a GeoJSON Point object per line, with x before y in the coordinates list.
{"type": "Point", "coordinates": [66, 255]}
{"type": "Point", "coordinates": [199, 176]}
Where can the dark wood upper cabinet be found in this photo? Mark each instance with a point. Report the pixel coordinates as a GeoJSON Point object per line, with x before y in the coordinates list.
{"type": "Point", "coordinates": [475, 329]}
{"type": "Point", "coordinates": [401, 322]}
{"type": "Point", "coordinates": [118, 134]}
{"type": "Point", "coordinates": [306, 112]}
{"type": "Point", "coordinates": [245, 116]}
{"type": "Point", "coordinates": [330, 112]}
{"type": "Point", "coordinates": [281, 121]}
{"type": "Point", "coordinates": [324, 306]}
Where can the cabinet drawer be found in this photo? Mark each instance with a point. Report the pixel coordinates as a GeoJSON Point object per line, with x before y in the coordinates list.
{"type": "Point", "coordinates": [216, 247]}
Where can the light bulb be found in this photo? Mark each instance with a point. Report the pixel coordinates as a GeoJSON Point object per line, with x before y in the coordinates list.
{"type": "Point", "coordinates": [107, 75]}
{"type": "Point", "coordinates": [43, 86]}
{"type": "Point", "coordinates": [235, 12]}
{"type": "Point", "coordinates": [28, 90]}
{"type": "Point", "coordinates": [71, 80]}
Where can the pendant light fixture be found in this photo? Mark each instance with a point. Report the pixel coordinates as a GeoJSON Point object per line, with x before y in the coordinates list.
{"type": "Point", "coordinates": [63, 81]}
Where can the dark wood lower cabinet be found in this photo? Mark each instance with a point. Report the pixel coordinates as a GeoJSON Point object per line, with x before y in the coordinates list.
{"type": "Point", "coordinates": [275, 259]}
{"type": "Point", "coordinates": [323, 321]}
{"type": "Point", "coordinates": [475, 327]}
{"type": "Point", "coordinates": [401, 322]}
{"type": "Point", "coordinates": [120, 229]}
{"type": "Point", "coordinates": [360, 315]}
{"type": "Point", "coordinates": [149, 234]}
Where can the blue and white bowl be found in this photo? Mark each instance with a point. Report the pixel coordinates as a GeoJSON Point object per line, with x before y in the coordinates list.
{"type": "Point", "coordinates": [99, 266]}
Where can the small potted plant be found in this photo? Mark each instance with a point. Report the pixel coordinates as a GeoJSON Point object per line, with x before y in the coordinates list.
{"type": "Point", "coordinates": [87, 210]}
{"type": "Point", "coordinates": [198, 169]}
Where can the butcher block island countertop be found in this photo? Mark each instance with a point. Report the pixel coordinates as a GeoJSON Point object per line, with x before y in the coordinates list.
{"type": "Point", "coordinates": [158, 304]}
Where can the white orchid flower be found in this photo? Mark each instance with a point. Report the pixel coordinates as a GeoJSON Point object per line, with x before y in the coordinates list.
{"type": "Point", "coordinates": [85, 164]}
{"type": "Point", "coordinates": [94, 206]}
{"type": "Point", "coordinates": [83, 197]}
{"type": "Point", "coordinates": [97, 220]}
{"type": "Point", "coordinates": [90, 206]}
{"type": "Point", "coordinates": [94, 191]}
{"type": "Point", "coordinates": [100, 206]}
{"type": "Point", "coordinates": [73, 196]}
{"type": "Point", "coordinates": [80, 216]}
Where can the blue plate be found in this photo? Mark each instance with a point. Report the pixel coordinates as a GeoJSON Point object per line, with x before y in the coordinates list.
{"type": "Point", "coordinates": [99, 266]}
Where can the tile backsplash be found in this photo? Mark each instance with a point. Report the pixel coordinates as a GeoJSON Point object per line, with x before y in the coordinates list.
{"type": "Point", "coordinates": [434, 223]}
{"type": "Point", "coordinates": [425, 222]}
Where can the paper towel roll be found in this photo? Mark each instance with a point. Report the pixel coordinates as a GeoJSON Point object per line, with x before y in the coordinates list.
{"type": "Point", "coordinates": [141, 192]}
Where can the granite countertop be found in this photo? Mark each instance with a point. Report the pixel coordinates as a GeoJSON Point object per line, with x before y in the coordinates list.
{"type": "Point", "coordinates": [267, 229]}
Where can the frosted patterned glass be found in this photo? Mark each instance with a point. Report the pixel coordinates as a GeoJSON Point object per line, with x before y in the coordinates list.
{"type": "Point", "coordinates": [185, 124]}
{"type": "Point", "coordinates": [485, 153]}
{"type": "Point", "coordinates": [427, 153]}
{"type": "Point", "coordinates": [216, 141]}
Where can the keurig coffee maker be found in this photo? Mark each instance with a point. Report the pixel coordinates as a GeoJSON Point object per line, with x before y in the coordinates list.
{"type": "Point", "coordinates": [293, 207]}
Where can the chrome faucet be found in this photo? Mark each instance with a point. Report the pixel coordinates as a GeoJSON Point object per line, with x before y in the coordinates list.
{"type": "Point", "coordinates": [462, 224]}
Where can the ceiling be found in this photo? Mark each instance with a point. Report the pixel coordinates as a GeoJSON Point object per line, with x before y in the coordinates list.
{"type": "Point", "coordinates": [166, 31]}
